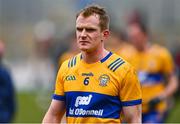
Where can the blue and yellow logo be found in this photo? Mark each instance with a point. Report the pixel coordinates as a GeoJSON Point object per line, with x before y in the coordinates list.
{"type": "Point", "coordinates": [103, 80]}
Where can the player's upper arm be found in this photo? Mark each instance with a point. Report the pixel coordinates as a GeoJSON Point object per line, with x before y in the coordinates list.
{"type": "Point", "coordinates": [131, 96]}
{"type": "Point", "coordinates": [132, 114]}
{"type": "Point", "coordinates": [130, 89]}
{"type": "Point", "coordinates": [57, 107]}
{"type": "Point", "coordinates": [55, 112]}
{"type": "Point", "coordinates": [59, 86]}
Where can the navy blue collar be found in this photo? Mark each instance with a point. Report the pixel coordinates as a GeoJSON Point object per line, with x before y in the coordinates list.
{"type": "Point", "coordinates": [104, 59]}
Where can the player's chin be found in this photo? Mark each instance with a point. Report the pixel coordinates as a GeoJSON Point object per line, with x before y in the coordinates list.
{"type": "Point", "coordinates": [83, 48]}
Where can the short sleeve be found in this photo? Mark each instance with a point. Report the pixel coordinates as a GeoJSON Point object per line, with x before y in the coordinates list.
{"type": "Point", "coordinates": [59, 86]}
{"type": "Point", "coordinates": [130, 89]}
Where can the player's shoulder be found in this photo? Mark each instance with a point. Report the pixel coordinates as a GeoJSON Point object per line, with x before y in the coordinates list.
{"type": "Point", "coordinates": [4, 70]}
{"type": "Point", "coordinates": [116, 63]}
{"type": "Point", "coordinates": [128, 45]}
{"type": "Point", "coordinates": [159, 49]}
{"type": "Point", "coordinates": [71, 62]}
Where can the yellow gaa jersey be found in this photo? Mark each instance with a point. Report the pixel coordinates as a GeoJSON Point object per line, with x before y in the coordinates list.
{"type": "Point", "coordinates": [153, 66]}
{"type": "Point", "coordinates": [96, 93]}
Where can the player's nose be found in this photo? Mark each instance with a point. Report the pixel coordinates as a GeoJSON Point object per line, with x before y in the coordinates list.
{"type": "Point", "coordinates": [83, 33]}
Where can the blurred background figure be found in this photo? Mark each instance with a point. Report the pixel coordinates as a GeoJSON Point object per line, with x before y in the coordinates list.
{"type": "Point", "coordinates": [116, 39]}
{"type": "Point", "coordinates": [7, 91]}
{"type": "Point", "coordinates": [156, 71]}
{"type": "Point", "coordinates": [72, 48]}
{"type": "Point", "coordinates": [118, 44]}
{"type": "Point", "coordinates": [40, 66]}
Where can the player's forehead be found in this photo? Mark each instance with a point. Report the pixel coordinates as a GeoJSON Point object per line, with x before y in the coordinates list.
{"type": "Point", "coordinates": [90, 21]}
{"type": "Point", "coordinates": [133, 28]}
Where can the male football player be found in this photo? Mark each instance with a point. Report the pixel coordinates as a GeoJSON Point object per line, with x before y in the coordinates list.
{"type": "Point", "coordinates": [95, 85]}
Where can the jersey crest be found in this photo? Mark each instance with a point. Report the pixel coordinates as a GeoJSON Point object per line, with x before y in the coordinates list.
{"type": "Point", "coordinates": [103, 80]}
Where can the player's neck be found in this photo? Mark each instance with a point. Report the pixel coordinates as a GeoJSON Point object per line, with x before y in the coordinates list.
{"type": "Point", "coordinates": [145, 47]}
{"type": "Point", "coordinates": [94, 56]}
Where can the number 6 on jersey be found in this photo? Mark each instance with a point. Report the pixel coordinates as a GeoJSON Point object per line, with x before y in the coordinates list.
{"type": "Point", "coordinates": [86, 81]}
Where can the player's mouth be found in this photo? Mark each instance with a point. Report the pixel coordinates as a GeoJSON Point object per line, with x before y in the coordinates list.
{"type": "Point", "coordinates": [83, 42]}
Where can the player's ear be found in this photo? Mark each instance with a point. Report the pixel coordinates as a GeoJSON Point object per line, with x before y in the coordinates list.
{"type": "Point", "coordinates": [106, 33]}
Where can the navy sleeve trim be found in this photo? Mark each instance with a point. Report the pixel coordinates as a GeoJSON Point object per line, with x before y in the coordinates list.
{"type": "Point", "coordinates": [58, 97]}
{"type": "Point", "coordinates": [131, 103]}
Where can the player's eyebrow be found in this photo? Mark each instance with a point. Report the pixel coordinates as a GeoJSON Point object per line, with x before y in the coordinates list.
{"type": "Point", "coordinates": [88, 29]}
{"type": "Point", "coordinates": [79, 28]}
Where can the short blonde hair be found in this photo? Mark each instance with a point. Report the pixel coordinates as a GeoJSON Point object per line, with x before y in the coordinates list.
{"type": "Point", "coordinates": [95, 9]}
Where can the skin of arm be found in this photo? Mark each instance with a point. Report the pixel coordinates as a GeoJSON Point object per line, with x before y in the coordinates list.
{"type": "Point", "coordinates": [132, 114]}
{"type": "Point", "coordinates": [171, 86]}
{"type": "Point", "coordinates": [55, 112]}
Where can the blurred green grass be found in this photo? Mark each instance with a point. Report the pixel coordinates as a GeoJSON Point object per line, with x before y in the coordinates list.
{"type": "Point", "coordinates": [32, 107]}
{"type": "Point", "coordinates": [174, 114]}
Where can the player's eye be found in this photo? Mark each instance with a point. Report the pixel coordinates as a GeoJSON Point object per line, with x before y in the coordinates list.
{"type": "Point", "coordinates": [90, 29]}
{"type": "Point", "coordinates": [79, 29]}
